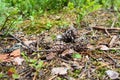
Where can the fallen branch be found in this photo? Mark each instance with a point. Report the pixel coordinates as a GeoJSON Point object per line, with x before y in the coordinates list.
{"type": "Point", "coordinates": [114, 48]}
{"type": "Point", "coordinates": [21, 42]}
{"type": "Point", "coordinates": [108, 29]}
{"type": "Point", "coordinates": [107, 32]}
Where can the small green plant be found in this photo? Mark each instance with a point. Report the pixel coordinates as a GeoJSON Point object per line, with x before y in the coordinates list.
{"type": "Point", "coordinates": [13, 73]}
{"type": "Point", "coordinates": [16, 76]}
{"type": "Point", "coordinates": [115, 51]}
{"type": "Point", "coordinates": [34, 63]}
{"type": "Point", "coordinates": [9, 18]}
{"type": "Point", "coordinates": [48, 25]}
{"type": "Point", "coordinates": [76, 55]}
{"type": "Point", "coordinates": [1, 75]}
{"type": "Point", "coordinates": [70, 5]}
{"type": "Point", "coordinates": [101, 72]}
{"type": "Point", "coordinates": [86, 8]}
{"type": "Point", "coordinates": [75, 73]}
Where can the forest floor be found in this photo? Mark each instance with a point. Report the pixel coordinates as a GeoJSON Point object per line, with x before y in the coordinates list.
{"type": "Point", "coordinates": [64, 52]}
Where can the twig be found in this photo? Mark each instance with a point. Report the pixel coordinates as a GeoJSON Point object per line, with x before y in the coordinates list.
{"type": "Point", "coordinates": [114, 48]}
{"type": "Point", "coordinates": [109, 29]}
{"type": "Point", "coordinates": [24, 71]}
{"type": "Point", "coordinates": [115, 62]}
{"type": "Point", "coordinates": [107, 32]}
{"type": "Point", "coordinates": [85, 33]}
{"type": "Point", "coordinates": [46, 51]}
{"type": "Point", "coordinates": [84, 69]}
{"type": "Point", "coordinates": [53, 77]}
{"type": "Point", "coordinates": [38, 42]}
{"type": "Point", "coordinates": [21, 42]}
{"type": "Point", "coordinates": [113, 23]}
{"type": "Point", "coordinates": [35, 75]}
{"type": "Point", "coordinates": [111, 58]}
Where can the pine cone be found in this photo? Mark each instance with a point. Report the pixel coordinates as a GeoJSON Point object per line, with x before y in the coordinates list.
{"type": "Point", "coordinates": [69, 35]}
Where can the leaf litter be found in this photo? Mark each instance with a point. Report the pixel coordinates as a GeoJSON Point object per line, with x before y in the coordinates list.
{"type": "Point", "coordinates": [88, 53]}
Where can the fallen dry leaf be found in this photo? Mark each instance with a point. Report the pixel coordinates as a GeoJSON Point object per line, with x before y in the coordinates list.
{"type": "Point", "coordinates": [112, 74]}
{"type": "Point", "coordinates": [67, 51]}
{"type": "Point", "coordinates": [18, 60]}
{"type": "Point", "coordinates": [29, 42]}
{"type": "Point", "coordinates": [5, 57]}
{"type": "Point", "coordinates": [91, 47]}
{"type": "Point", "coordinates": [103, 47]}
{"type": "Point", "coordinates": [50, 56]}
{"type": "Point", "coordinates": [59, 70]}
{"type": "Point", "coordinates": [15, 53]}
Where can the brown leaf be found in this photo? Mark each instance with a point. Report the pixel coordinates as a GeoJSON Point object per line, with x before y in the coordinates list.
{"type": "Point", "coordinates": [29, 42]}
{"type": "Point", "coordinates": [91, 47]}
{"type": "Point", "coordinates": [50, 56]}
{"type": "Point", "coordinates": [67, 51]}
{"type": "Point", "coordinates": [5, 57]}
{"type": "Point", "coordinates": [15, 53]}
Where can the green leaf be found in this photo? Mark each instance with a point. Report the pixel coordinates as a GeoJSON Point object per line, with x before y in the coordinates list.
{"type": "Point", "coordinates": [32, 65]}
{"type": "Point", "coordinates": [71, 5]}
{"type": "Point", "coordinates": [32, 60]}
{"type": "Point", "coordinates": [76, 55]}
{"type": "Point", "coordinates": [31, 18]}
{"type": "Point", "coordinates": [40, 64]}
{"type": "Point", "coordinates": [1, 75]}
{"type": "Point", "coordinates": [15, 76]}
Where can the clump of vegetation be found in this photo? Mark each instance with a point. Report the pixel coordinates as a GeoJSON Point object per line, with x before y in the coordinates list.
{"type": "Point", "coordinates": [20, 9]}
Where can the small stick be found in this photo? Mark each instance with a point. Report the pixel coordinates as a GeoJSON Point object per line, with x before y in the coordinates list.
{"type": "Point", "coordinates": [115, 62]}
{"type": "Point", "coordinates": [111, 58]}
{"type": "Point", "coordinates": [21, 42]}
{"type": "Point", "coordinates": [113, 23]}
{"type": "Point", "coordinates": [35, 75]}
{"type": "Point", "coordinates": [109, 29]}
{"type": "Point", "coordinates": [53, 77]}
{"type": "Point", "coordinates": [46, 51]}
{"type": "Point", "coordinates": [38, 43]}
{"type": "Point", "coordinates": [107, 32]}
{"type": "Point", "coordinates": [85, 69]}
{"type": "Point", "coordinates": [114, 48]}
